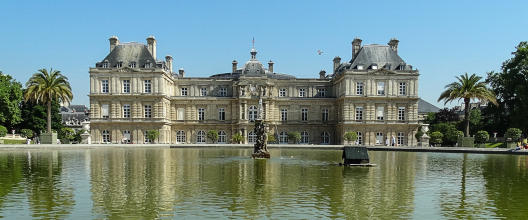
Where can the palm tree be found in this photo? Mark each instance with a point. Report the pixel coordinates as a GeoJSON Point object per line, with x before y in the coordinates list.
{"type": "Point", "coordinates": [467, 88]}
{"type": "Point", "coordinates": [46, 86]}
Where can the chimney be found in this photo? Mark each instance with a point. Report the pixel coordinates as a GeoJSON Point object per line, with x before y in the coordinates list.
{"type": "Point", "coordinates": [151, 42]}
{"type": "Point", "coordinates": [168, 61]}
{"type": "Point", "coordinates": [234, 66]}
{"type": "Point", "coordinates": [356, 46]}
{"type": "Point", "coordinates": [337, 61]}
{"type": "Point", "coordinates": [114, 41]}
{"type": "Point", "coordinates": [393, 43]}
{"type": "Point", "coordinates": [181, 72]}
{"type": "Point", "coordinates": [322, 74]}
{"type": "Point", "coordinates": [270, 66]}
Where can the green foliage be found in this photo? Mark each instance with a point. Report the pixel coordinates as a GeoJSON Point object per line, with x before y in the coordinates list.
{"type": "Point", "coordinates": [430, 118]}
{"type": "Point", "coordinates": [152, 135]}
{"type": "Point", "coordinates": [445, 115]}
{"type": "Point", "coordinates": [350, 136]}
{"type": "Point", "coordinates": [66, 135]}
{"type": "Point", "coordinates": [481, 137]}
{"type": "Point", "coordinates": [436, 137]}
{"type": "Point", "coordinates": [467, 88]}
{"type": "Point", "coordinates": [449, 131]}
{"type": "Point", "coordinates": [295, 136]}
{"type": "Point", "coordinates": [418, 134]}
{"type": "Point", "coordinates": [14, 141]}
{"type": "Point", "coordinates": [212, 135]}
{"type": "Point", "coordinates": [271, 138]}
{"type": "Point", "coordinates": [27, 133]}
{"type": "Point", "coordinates": [3, 131]}
{"type": "Point", "coordinates": [513, 133]}
{"type": "Point", "coordinates": [77, 137]}
{"type": "Point", "coordinates": [237, 138]}
{"type": "Point", "coordinates": [10, 98]}
{"type": "Point", "coordinates": [34, 117]}
{"type": "Point", "coordinates": [46, 87]}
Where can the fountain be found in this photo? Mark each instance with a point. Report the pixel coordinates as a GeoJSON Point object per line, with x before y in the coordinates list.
{"type": "Point", "coordinates": [260, 149]}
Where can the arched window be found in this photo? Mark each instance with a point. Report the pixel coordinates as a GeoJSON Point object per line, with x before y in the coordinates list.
{"type": "Point", "coordinates": [200, 138]}
{"type": "Point", "coordinates": [359, 140]}
{"type": "Point", "coordinates": [283, 138]}
{"type": "Point", "coordinates": [180, 137]}
{"type": "Point", "coordinates": [305, 138]}
{"type": "Point", "coordinates": [106, 136]}
{"type": "Point", "coordinates": [252, 137]}
{"type": "Point", "coordinates": [222, 137]}
{"type": "Point", "coordinates": [126, 137]}
{"type": "Point", "coordinates": [252, 113]}
{"type": "Point", "coordinates": [325, 138]}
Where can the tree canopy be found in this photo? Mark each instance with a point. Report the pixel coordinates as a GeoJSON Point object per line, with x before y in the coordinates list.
{"type": "Point", "coordinates": [10, 98]}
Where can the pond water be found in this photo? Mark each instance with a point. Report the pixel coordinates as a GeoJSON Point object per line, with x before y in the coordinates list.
{"type": "Point", "coordinates": [152, 183]}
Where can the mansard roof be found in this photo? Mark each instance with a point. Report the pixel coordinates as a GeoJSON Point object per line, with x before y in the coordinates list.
{"type": "Point", "coordinates": [128, 53]}
{"type": "Point", "coordinates": [238, 75]}
{"type": "Point", "coordinates": [426, 107]}
{"type": "Point", "coordinates": [381, 55]}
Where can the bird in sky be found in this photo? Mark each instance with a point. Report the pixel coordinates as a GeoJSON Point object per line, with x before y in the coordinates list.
{"type": "Point", "coordinates": [320, 52]}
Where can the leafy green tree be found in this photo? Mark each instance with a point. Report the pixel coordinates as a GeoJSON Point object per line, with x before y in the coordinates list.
{"type": "Point", "coordinates": [481, 137]}
{"type": "Point", "coordinates": [212, 135]}
{"type": "Point", "coordinates": [27, 133]}
{"type": "Point", "coordinates": [152, 135]}
{"type": "Point", "coordinates": [445, 115]}
{"type": "Point", "coordinates": [350, 136]}
{"type": "Point", "coordinates": [34, 117]}
{"type": "Point", "coordinates": [237, 138]}
{"type": "Point", "coordinates": [271, 138]}
{"type": "Point", "coordinates": [467, 88]}
{"type": "Point", "coordinates": [436, 137]}
{"type": "Point", "coordinates": [511, 87]}
{"type": "Point", "coordinates": [449, 132]}
{"type": "Point", "coordinates": [513, 133]}
{"type": "Point", "coordinates": [45, 87]}
{"type": "Point", "coordinates": [77, 138]}
{"type": "Point", "coordinates": [295, 136]}
{"type": "Point", "coordinates": [66, 135]}
{"type": "Point", "coordinates": [3, 131]}
{"type": "Point", "coordinates": [10, 98]}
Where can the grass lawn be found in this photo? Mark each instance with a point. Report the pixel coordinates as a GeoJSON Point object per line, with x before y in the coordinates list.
{"type": "Point", "coordinates": [495, 145]}
{"type": "Point", "coordinates": [8, 141]}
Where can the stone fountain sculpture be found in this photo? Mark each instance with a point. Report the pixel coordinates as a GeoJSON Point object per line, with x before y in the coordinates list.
{"type": "Point", "coordinates": [260, 149]}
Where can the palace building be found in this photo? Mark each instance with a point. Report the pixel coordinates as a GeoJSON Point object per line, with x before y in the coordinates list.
{"type": "Point", "coordinates": [375, 94]}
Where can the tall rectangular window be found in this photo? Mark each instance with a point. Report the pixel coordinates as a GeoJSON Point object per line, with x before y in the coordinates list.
{"type": "Point", "coordinates": [203, 91]}
{"type": "Point", "coordinates": [324, 113]}
{"type": "Point", "coordinates": [147, 109]}
{"type": "Point", "coordinates": [126, 111]}
{"type": "Point", "coordinates": [284, 114]}
{"type": "Point", "coordinates": [223, 92]}
{"type": "Point", "coordinates": [379, 138]}
{"type": "Point", "coordinates": [321, 92]}
{"type": "Point", "coordinates": [401, 113]}
{"type": "Point", "coordinates": [403, 88]}
{"type": "Point", "coordinates": [282, 92]}
{"type": "Point", "coordinates": [105, 64]}
{"type": "Point", "coordinates": [380, 112]}
{"type": "Point", "coordinates": [119, 64]}
{"type": "Point", "coordinates": [147, 86]}
{"type": "Point", "coordinates": [105, 111]}
{"type": "Point", "coordinates": [221, 114]}
{"type": "Point", "coordinates": [359, 113]}
{"type": "Point", "coordinates": [359, 138]}
{"type": "Point", "coordinates": [359, 88]}
{"type": "Point", "coordinates": [201, 114]}
{"type": "Point", "coordinates": [180, 114]}
{"type": "Point", "coordinates": [132, 64]}
{"type": "Point", "coordinates": [183, 91]}
{"type": "Point", "coordinates": [104, 86]}
{"type": "Point", "coordinates": [304, 114]}
{"type": "Point", "coordinates": [381, 88]}
{"type": "Point", "coordinates": [401, 138]}
{"type": "Point", "coordinates": [302, 92]}
{"type": "Point", "coordinates": [126, 86]}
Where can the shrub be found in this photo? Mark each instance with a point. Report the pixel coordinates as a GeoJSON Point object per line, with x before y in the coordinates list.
{"type": "Point", "coordinates": [513, 134]}
{"type": "Point", "coordinates": [481, 137]}
{"type": "Point", "coordinates": [237, 138]}
{"type": "Point", "coordinates": [295, 136]}
{"type": "Point", "coordinates": [3, 131]}
{"type": "Point", "coordinates": [152, 135]}
{"type": "Point", "coordinates": [212, 135]}
{"type": "Point", "coordinates": [436, 137]}
{"type": "Point", "coordinates": [271, 138]}
{"type": "Point", "coordinates": [66, 135]}
{"type": "Point", "coordinates": [419, 134]}
{"type": "Point", "coordinates": [27, 133]}
{"type": "Point", "coordinates": [350, 136]}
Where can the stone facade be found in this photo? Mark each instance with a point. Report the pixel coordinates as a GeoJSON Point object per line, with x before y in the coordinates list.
{"type": "Point", "coordinates": [375, 94]}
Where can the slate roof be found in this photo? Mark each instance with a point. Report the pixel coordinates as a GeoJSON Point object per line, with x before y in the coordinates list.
{"type": "Point", "coordinates": [381, 55]}
{"type": "Point", "coordinates": [127, 53]}
{"type": "Point", "coordinates": [426, 107]}
{"type": "Point", "coordinates": [237, 75]}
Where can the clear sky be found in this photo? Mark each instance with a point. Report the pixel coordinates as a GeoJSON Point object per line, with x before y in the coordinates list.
{"type": "Point", "coordinates": [440, 38]}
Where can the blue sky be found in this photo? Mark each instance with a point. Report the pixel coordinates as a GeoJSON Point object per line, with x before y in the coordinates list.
{"type": "Point", "coordinates": [440, 38]}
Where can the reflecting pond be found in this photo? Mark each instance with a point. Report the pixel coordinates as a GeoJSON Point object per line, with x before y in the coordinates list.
{"type": "Point", "coordinates": [152, 183]}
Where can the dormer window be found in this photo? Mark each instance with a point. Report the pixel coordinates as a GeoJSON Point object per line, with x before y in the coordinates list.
{"type": "Point", "coordinates": [147, 65]}
{"type": "Point", "coordinates": [132, 65]}
{"type": "Point", "coordinates": [360, 67]}
{"type": "Point", "coordinates": [119, 64]}
{"type": "Point", "coordinates": [105, 64]}
{"type": "Point", "coordinates": [374, 66]}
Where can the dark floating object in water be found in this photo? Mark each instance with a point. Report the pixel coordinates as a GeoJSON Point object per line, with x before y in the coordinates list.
{"type": "Point", "coordinates": [356, 156]}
